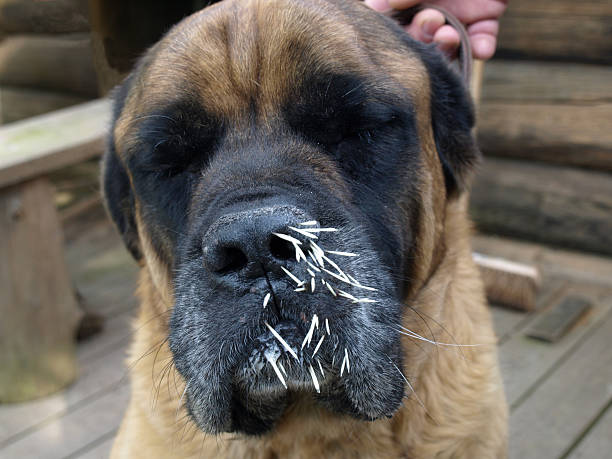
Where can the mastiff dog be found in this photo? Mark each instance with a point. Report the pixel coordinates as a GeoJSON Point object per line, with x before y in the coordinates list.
{"type": "Point", "coordinates": [291, 176]}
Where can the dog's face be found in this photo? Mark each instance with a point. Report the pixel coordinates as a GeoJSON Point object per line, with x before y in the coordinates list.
{"type": "Point", "coordinates": [253, 117]}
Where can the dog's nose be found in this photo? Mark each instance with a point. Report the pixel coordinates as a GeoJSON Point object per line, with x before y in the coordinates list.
{"type": "Point", "coordinates": [244, 242]}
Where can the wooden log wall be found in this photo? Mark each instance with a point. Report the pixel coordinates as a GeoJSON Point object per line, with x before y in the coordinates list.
{"type": "Point", "coordinates": [546, 108]}
{"type": "Point", "coordinates": [45, 57]}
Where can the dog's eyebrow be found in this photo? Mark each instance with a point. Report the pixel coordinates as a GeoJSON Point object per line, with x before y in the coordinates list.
{"type": "Point", "coordinates": [173, 134]}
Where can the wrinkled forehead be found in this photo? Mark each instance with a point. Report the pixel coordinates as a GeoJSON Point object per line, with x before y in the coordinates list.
{"type": "Point", "coordinates": [241, 56]}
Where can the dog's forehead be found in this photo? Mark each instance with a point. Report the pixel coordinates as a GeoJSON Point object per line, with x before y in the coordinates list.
{"type": "Point", "coordinates": [237, 55]}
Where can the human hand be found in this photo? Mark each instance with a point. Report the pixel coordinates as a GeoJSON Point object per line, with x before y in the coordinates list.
{"type": "Point", "coordinates": [481, 18]}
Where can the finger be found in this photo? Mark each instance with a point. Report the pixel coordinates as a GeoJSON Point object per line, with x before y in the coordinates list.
{"type": "Point", "coordinates": [425, 24]}
{"type": "Point", "coordinates": [483, 46]}
{"type": "Point", "coordinates": [483, 38]}
{"type": "Point", "coordinates": [403, 4]}
{"type": "Point", "coordinates": [474, 10]}
{"type": "Point", "coordinates": [447, 39]}
{"type": "Point", "coordinates": [378, 5]}
{"type": "Point", "coordinates": [488, 26]}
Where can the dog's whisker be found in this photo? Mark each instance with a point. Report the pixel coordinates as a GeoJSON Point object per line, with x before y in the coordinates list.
{"type": "Point", "coordinates": [282, 341]}
{"type": "Point", "coordinates": [315, 381]}
{"type": "Point", "coordinates": [304, 232]}
{"type": "Point", "coordinates": [272, 362]}
{"type": "Point", "coordinates": [266, 299]}
{"type": "Point", "coordinates": [412, 334]}
{"type": "Point", "coordinates": [180, 402]}
{"type": "Point", "coordinates": [318, 345]}
{"type": "Point", "coordinates": [293, 277]}
{"type": "Point", "coordinates": [408, 384]}
{"type": "Point", "coordinates": [327, 326]}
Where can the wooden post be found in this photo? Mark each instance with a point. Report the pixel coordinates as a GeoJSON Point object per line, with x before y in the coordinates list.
{"type": "Point", "coordinates": [38, 311]}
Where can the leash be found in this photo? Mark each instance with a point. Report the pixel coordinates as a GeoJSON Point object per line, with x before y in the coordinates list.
{"type": "Point", "coordinates": [404, 17]}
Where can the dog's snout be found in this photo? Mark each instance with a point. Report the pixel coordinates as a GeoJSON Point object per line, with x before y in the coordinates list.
{"type": "Point", "coordinates": [245, 243]}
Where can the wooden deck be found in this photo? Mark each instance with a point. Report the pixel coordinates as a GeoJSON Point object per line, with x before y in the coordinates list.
{"type": "Point", "coordinates": [560, 394]}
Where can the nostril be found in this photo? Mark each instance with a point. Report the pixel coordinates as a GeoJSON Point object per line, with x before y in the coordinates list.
{"type": "Point", "coordinates": [230, 259]}
{"type": "Point", "coordinates": [281, 249]}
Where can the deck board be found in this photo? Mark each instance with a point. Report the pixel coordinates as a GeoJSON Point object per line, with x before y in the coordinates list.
{"type": "Point", "coordinates": [78, 428]}
{"type": "Point", "coordinates": [98, 377]}
{"type": "Point", "coordinates": [562, 407]}
{"type": "Point", "coordinates": [598, 441]}
{"type": "Point", "coordinates": [525, 361]}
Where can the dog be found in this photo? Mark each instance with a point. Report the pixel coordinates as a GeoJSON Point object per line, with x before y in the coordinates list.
{"type": "Point", "coordinates": [292, 178]}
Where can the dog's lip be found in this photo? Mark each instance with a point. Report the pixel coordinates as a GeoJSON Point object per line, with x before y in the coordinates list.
{"type": "Point", "coordinates": [270, 367]}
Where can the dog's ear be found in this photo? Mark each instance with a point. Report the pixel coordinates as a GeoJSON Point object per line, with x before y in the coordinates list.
{"type": "Point", "coordinates": [116, 188]}
{"type": "Point", "coordinates": [452, 118]}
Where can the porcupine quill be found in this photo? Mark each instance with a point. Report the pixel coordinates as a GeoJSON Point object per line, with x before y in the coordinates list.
{"type": "Point", "coordinates": [318, 266]}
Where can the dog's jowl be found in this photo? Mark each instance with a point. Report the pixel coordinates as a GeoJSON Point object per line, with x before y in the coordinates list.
{"type": "Point", "coordinates": [291, 177]}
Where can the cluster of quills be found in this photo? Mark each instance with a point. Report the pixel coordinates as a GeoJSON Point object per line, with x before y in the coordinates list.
{"type": "Point", "coordinates": [319, 267]}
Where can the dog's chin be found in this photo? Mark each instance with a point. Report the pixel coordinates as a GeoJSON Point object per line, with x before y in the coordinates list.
{"type": "Point", "coordinates": [270, 379]}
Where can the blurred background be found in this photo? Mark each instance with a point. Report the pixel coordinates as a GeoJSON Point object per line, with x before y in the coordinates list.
{"type": "Point", "coordinates": [543, 196]}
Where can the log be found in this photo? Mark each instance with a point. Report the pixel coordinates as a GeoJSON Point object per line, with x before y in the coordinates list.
{"type": "Point", "coordinates": [60, 63]}
{"type": "Point", "coordinates": [556, 37]}
{"type": "Point", "coordinates": [49, 16]}
{"type": "Point", "coordinates": [550, 82]}
{"type": "Point", "coordinates": [577, 135]}
{"type": "Point", "coordinates": [554, 112]}
{"type": "Point", "coordinates": [560, 8]}
{"type": "Point", "coordinates": [19, 103]}
{"type": "Point", "coordinates": [38, 309]}
{"type": "Point", "coordinates": [544, 203]}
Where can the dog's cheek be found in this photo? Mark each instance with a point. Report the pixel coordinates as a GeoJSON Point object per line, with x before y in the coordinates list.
{"type": "Point", "coordinates": [208, 394]}
{"type": "Point", "coordinates": [376, 387]}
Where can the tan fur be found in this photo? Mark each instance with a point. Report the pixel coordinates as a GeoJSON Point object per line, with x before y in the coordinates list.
{"type": "Point", "coordinates": [458, 410]}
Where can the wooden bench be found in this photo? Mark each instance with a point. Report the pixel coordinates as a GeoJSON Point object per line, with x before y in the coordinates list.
{"type": "Point", "coordinates": [38, 309]}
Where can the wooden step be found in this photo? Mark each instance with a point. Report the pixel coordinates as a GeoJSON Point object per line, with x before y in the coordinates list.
{"type": "Point", "coordinates": [42, 144]}
{"type": "Point", "coordinates": [553, 112]}
{"type": "Point", "coordinates": [551, 204]}
{"type": "Point", "coordinates": [563, 30]}
{"type": "Point", "coordinates": [17, 103]}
